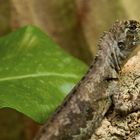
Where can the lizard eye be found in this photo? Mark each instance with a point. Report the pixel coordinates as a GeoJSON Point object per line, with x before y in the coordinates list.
{"type": "Point", "coordinates": [121, 45]}
{"type": "Point", "coordinates": [133, 27]}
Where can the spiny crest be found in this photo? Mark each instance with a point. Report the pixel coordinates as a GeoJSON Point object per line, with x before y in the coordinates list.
{"type": "Point", "coordinates": [130, 28]}
{"type": "Point", "coordinates": [117, 26]}
{"type": "Point", "coordinates": [112, 32]}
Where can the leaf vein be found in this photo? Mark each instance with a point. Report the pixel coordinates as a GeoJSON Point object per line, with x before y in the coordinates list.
{"type": "Point", "coordinates": [37, 75]}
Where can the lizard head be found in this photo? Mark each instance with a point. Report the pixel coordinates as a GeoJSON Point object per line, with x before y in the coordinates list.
{"type": "Point", "coordinates": [127, 37]}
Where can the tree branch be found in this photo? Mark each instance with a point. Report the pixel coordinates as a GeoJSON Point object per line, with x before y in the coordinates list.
{"type": "Point", "coordinates": [123, 119]}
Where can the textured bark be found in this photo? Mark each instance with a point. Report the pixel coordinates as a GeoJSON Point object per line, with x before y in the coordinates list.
{"type": "Point", "coordinates": [123, 121]}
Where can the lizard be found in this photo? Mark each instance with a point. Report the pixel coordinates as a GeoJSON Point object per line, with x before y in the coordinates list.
{"type": "Point", "coordinates": [87, 103]}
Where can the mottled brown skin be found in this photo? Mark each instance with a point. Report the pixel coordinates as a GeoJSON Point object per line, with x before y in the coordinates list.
{"type": "Point", "coordinates": [85, 106]}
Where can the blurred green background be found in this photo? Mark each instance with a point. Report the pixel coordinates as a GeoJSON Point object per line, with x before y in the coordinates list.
{"type": "Point", "coordinates": [75, 25]}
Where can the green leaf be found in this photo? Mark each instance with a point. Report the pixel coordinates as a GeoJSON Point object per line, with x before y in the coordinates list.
{"type": "Point", "coordinates": [35, 74]}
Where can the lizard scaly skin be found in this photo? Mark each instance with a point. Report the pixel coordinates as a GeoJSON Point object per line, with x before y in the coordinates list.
{"type": "Point", "coordinates": [84, 108]}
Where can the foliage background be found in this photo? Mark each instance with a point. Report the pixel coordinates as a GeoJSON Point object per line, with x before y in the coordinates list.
{"type": "Point", "coordinates": [75, 25]}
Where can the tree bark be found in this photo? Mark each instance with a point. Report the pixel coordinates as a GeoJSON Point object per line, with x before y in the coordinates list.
{"type": "Point", "coordinates": [123, 121]}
